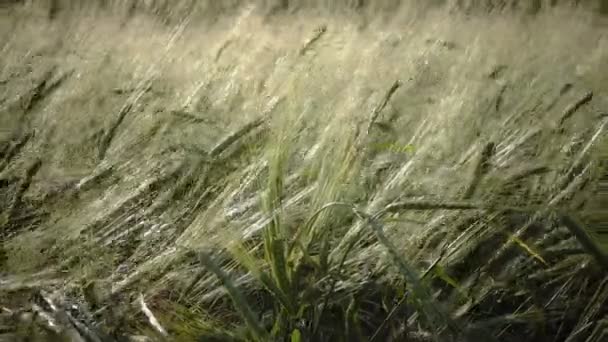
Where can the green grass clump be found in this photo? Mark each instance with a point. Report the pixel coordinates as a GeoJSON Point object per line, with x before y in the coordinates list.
{"type": "Point", "coordinates": [309, 296]}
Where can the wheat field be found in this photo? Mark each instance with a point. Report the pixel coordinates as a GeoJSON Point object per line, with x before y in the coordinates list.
{"type": "Point", "coordinates": [303, 170]}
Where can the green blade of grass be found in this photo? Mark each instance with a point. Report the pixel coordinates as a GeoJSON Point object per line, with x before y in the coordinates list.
{"type": "Point", "coordinates": [586, 240]}
{"type": "Point", "coordinates": [421, 295]}
{"type": "Point", "coordinates": [529, 249]}
{"type": "Point", "coordinates": [237, 297]}
{"type": "Point", "coordinates": [281, 273]}
{"type": "Point", "coordinates": [296, 336]}
{"type": "Point", "coordinates": [245, 259]}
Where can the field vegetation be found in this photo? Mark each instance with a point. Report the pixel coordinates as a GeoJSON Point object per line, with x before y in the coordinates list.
{"type": "Point", "coordinates": [303, 170]}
